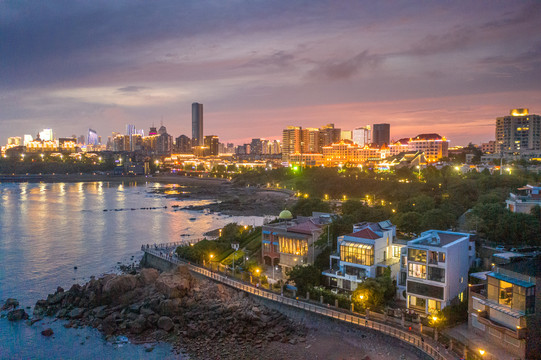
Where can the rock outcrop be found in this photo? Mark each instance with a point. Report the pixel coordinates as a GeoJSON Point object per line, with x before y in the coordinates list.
{"type": "Point", "coordinates": [198, 316]}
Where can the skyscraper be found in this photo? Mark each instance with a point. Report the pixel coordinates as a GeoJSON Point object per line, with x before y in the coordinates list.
{"type": "Point", "coordinates": [197, 124]}
{"type": "Point", "coordinates": [291, 143]}
{"type": "Point", "coordinates": [92, 138]}
{"type": "Point", "coordinates": [362, 136]}
{"type": "Point", "coordinates": [519, 132]}
{"type": "Point", "coordinates": [381, 134]}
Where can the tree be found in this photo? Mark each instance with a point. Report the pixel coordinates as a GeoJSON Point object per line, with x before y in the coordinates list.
{"type": "Point", "coordinates": [375, 293]}
{"type": "Point", "coordinates": [304, 277]}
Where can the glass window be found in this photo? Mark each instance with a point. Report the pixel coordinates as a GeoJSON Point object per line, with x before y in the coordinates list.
{"type": "Point", "coordinates": [416, 270]}
{"type": "Point", "coordinates": [441, 257]}
{"type": "Point", "coordinates": [357, 254]}
{"type": "Point", "coordinates": [506, 293]}
{"type": "Point", "coordinates": [436, 274]}
{"type": "Point", "coordinates": [293, 246]}
{"type": "Point", "coordinates": [417, 255]}
{"type": "Point", "coordinates": [434, 305]}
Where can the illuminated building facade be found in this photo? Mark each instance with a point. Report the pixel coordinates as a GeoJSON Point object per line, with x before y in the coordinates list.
{"type": "Point", "coordinates": [433, 146]}
{"type": "Point", "coordinates": [291, 141]}
{"type": "Point", "coordinates": [365, 253]}
{"type": "Point", "coordinates": [291, 241]}
{"type": "Point", "coordinates": [434, 270]}
{"type": "Point", "coordinates": [212, 142]}
{"type": "Point", "coordinates": [518, 132]}
{"type": "Point", "coordinates": [362, 136]}
{"type": "Point", "coordinates": [505, 309]}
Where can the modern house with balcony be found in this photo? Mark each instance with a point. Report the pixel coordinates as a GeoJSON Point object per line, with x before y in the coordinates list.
{"type": "Point", "coordinates": [506, 309]}
{"type": "Point", "coordinates": [527, 198]}
{"type": "Point", "coordinates": [434, 270]}
{"type": "Point", "coordinates": [290, 242]}
{"type": "Point", "coordinates": [365, 253]}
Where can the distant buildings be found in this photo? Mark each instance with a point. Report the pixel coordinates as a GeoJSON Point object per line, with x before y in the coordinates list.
{"type": "Point", "coordinates": [296, 140]}
{"type": "Point", "coordinates": [433, 146]}
{"type": "Point", "coordinates": [519, 132]}
{"type": "Point", "coordinates": [362, 136]}
{"type": "Point", "coordinates": [212, 144]}
{"type": "Point", "coordinates": [434, 270]}
{"type": "Point", "coordinates": [290, 242]}
{"type": "Point", "coordinates": [183, 145]}
{"type": "Point", "coordinates": [505, 309]}
{"type": "Point", "coordinates": [365, 253]}
{"type": "Point", "coordinates": [197, 124]}
{"type": "Point", "coordinates": [92, 138]}
{"type": "Point", "coordinates": [529, 197]}
{"type": "Point", "coordinates": [381, 134]}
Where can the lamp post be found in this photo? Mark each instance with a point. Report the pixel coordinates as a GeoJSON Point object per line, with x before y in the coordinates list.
{"type": "Point", "coordinates": [435, 320]}
{"type": "Point", "coordinates": [211, 256]}
{"type": "Point", "coordinates": [235, 246]}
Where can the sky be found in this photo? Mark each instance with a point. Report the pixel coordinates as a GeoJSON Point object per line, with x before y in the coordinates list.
{"type": "Point", "coordinates": [449, 67]}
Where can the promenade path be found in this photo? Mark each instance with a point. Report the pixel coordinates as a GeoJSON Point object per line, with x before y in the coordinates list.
{"type": "Point", "coordinates": [426, 344]}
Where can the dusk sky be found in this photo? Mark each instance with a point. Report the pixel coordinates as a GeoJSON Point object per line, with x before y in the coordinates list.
{"type": "Point", "coordinates": [449, 67]}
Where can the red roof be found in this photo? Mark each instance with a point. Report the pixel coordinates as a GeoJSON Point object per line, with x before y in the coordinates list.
{"type": "Point", "coordinates": [306, 227]}
{"type": "Point", "coordinates": [365, 233]}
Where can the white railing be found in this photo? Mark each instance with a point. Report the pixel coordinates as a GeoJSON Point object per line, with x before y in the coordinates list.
{"type": "Point", "coordinates": [427, 346]}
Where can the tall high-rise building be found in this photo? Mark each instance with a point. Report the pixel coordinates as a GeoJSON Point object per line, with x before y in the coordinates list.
{"type": "Point", "coordinates": [519, 132]}
{"type": "Point", "coordinates": [183, 144]}
{"type": "Point", "coordinates": [197, 124]}
{"type": "Point", "coordinates": [153, 131]}
{"type": "Point", "coordinates": [92, 138]}
{"type": "Point", "coordinates": [291, 141]}
{"type": "Point", "coordinates": [381, 134]}
{"type": "Point", "coordinates": [46, 135]}
{"type": "Point", "coordinates": [328, 134]}
{"type": "Point", "coordinates": [212, 143]}
{"type": "Point", "coordinates": [362, 135]}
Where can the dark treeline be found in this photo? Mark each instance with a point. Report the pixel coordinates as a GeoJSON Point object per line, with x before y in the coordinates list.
{"type": "Point", "coordinates": [414, 200]}
{"type": "Point", "coordinates": [36, 165]}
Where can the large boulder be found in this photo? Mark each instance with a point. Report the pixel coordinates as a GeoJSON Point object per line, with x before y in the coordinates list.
{"type": "Point", "coordinates": [148, 276]}
{"type": "Point", "coordinates": [120, 284]}
{"type": "Point", "coordinates": [10, 304]}
{"type": "Point", "coordinates": [175, 284]}
{"type": "Point", "coordinates": [47, 332]}
{"type": "Point", "coordinates": [165, 323]}
{"type": "Point", "coordinates": [16, 315]}
{"type": "Point", "coordinates": [76, 313]}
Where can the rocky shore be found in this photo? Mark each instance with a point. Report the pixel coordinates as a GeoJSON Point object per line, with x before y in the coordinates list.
{"type": "Point", "coordinates": [201, 318]}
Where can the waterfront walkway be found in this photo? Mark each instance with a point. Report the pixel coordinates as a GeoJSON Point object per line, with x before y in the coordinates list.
{"type": "Point", "coordinates": [425, 344]}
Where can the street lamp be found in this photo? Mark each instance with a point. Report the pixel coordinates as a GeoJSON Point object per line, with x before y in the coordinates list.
{"type": "Point", "coordinates": [235, 246]}
{"type": "Point", "coordinates": [482, 352]}
{"type": "Point", "coordinates": [211, 256]}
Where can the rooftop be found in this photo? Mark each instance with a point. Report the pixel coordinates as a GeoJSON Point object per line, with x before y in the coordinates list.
{"type": "Point", "coordinates": [365, 233]}
{"type": "Point", "coordinates": [438, 238]}
{"type": "Point", "coordinates": [531, 267]}
{"type": "Point", "coordinates": [432, 136]}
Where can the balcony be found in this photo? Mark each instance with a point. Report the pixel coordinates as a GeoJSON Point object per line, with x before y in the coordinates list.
{"type": "Point", "coordinates": [518, 334]}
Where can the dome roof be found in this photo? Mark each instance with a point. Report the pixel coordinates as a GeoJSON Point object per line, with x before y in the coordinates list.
{"type": "Point", "coordinates": [285, 215]}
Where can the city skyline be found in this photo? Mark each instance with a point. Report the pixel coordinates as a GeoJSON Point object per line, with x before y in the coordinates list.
{"type": "Point", "coordinates": [445, 68]}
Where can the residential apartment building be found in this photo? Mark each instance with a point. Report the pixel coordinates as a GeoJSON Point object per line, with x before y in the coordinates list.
{"type": "Point", "coordinates": [434, 269]}
{"type": "Point", "coordinates": [362, 136]}
{"type": "Point", "coordinates": [506, 308]}
{"type": "Point", "coordinates": [529, 196]}
{"type": "Point", "coordinates": [290, 242]}
{"type": "Point", "coordinates": [365, 253]}
{"type": "Point", "coordinates": [291, 141]}
{"type": "Point", "coordinates": [518, 132]}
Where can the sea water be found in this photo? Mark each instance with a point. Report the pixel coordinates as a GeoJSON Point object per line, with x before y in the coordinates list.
{"type": "Point", "coordinates": [58, 234]}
